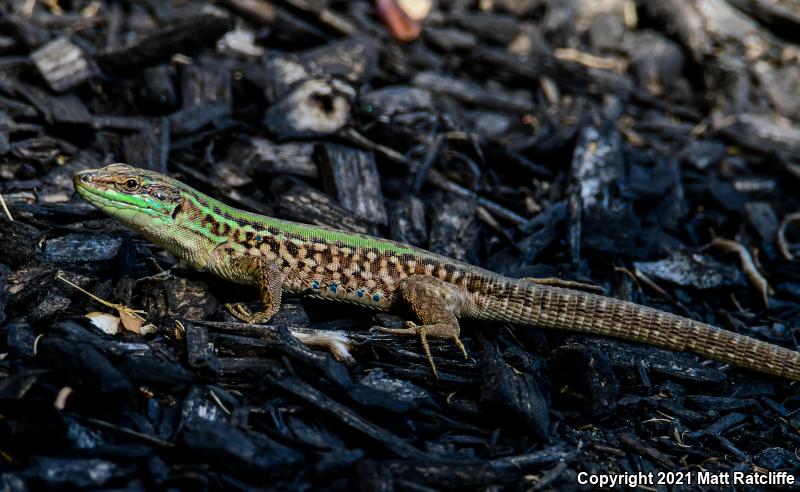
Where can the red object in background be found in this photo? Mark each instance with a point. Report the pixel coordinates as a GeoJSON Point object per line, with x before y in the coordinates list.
{"type": "Point", "coordinates": [402, 27]}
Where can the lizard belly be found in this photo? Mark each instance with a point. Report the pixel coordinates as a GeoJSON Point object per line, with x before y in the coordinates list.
{"type": "Point", "coordinates": [339, 286]}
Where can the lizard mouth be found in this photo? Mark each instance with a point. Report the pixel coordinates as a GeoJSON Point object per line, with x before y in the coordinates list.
{"type": "Point", "coordinates": [99, 196]}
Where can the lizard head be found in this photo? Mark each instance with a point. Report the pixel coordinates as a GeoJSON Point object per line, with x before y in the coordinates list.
{"type": "Point", "coordinates": [136, 197]}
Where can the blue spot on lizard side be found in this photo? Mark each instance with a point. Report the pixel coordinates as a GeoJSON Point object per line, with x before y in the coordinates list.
{"type": "Point", "coordinates": [376, 297]}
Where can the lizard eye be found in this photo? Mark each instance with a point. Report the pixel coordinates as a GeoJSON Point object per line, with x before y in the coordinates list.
{"type": "Point", "coordinates": [131, 185]}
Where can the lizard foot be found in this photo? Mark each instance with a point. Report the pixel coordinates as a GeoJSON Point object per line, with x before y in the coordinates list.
{"type": "Point", "coordinates": [241, 312]}
{"type": "Point", "coordinates": [442, 331]}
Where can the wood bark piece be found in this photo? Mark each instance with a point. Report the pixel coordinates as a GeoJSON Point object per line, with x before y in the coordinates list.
{"type": "Point", "coordinates": [190, 31]}
{"type": "Point", "coordinates": [306, 204]}
{"type": "Point", "coordinates": [264, 156]}
{"type": "Point", "coordinates": [351, 175]}
{"type": "Point", "coordinates": [315, 108]}
{"type": "Point", "coordinates": [62, 64]}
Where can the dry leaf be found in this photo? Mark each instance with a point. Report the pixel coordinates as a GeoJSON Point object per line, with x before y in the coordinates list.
{"type": "Point", "coordinates": [131, 322]}
{"type": "Point", "coordinates": [106, 323]}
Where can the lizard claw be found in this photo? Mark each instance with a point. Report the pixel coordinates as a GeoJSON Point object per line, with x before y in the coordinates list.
{"type": "Point", "coordinates": [241, 312]}
{"type": "Point", "coordinates": [423, 331]}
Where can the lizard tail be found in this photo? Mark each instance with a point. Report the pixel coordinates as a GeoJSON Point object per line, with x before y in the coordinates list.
{"type": "Point", "coordinates": [525, 303]}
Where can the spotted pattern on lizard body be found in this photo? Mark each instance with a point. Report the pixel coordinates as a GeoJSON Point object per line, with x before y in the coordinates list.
{"type": "Point", "coordinates": [278, 256]}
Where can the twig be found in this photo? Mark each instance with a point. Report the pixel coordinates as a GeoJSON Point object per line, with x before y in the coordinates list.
{"type": "Point", "coordinates": [118, 307]}
{"type": "Point", "coordinates": [5, 209]}
{"type": "Point", "coordinates": [783, 245]}
{"type": "Point", "coordinates": [748, 265]}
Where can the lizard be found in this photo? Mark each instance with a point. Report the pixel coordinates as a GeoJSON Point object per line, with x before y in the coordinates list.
{"type": "Point", "coordinates": [281, 256]}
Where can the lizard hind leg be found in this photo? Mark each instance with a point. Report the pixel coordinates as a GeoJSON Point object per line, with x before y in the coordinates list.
{"type": "Point", "coordinates": [437, 305]}
{"type": "Point", "coordinates": [266, 275]}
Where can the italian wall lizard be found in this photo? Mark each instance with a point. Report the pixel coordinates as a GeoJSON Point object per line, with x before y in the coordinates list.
{"type": "Point", "coordinates": [279, 256]}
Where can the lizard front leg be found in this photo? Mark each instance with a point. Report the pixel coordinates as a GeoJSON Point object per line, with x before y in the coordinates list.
{"type": "Point", "coordinates": [437, 305]}
{"type": "Point", "coordinates": [267, 276]}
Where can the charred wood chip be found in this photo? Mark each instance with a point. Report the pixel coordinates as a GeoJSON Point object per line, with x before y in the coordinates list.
{"type": "Point", "coordinates": [692, 270]}
{"type": "Point", "coordinates": [394, 100]}
{"type": "Point", "coordinates": [407, 221]}
{"type": "Point", "coordinates": [781, 17]}
{"type": "Point", "coordinates": [499, 28]}
{"type": "Point", "coordinates": [645, 449]}
{"type": "Point", "coordinates": [70, 109]}
{"type": "Point", "coordinates": [192, 28]}
{"type": "Point", "coordinates": [200, 407]}
{"type": "Point", "coordinates": [650, 176]}
{"type": "Point", "coordinates": [722, 403]}
{"type": "Point", "coordinates": [776, 458]}
{"type": "Point", "coordinates": [656, 360]}
{"type": "Point", "coordinates": [147, 369]}
{"type": "Point", "coordinates": [259, 155]}
{"type": "Point", "coordinates": [291, 315]}
{"type": "Point", "coordinates": [511, 392]}
{"type": "Point", "coordinates": [764, 220]}
{"type": "Point", "coordinates": [449, 39]}
{"type": "Point", "coordinates": [280, 75]}
{"type": "Point", "coordinates": [77, 473]}
{"type": "Point", "coordinates": [42, 149]}
{"type": "Point", "coordinates": [472, 93]}
{"type": "Point", "coordinates": [5, 145]}
{"type": "Point", "coordinates": [53, 302]}
{"type": "Point", "coordinates": [703, 154]}
{"type": "Point", "coordinates": [314, 108]}
{"type": "Point", "coordinates": [727, 196]}
{"type": "Point", "coordinates": [306, 204]}
{"type": "Point", "coordinates": [351, 175]}
{"type": "Point", "coordinates": [597, 166]}
{"type": "Point", "coordinates": [200, 352]}
{"type": "Point", "coordinates": [454, 474]}
{"type": "Point", "coordinates": [542, 231]}
{"type": "Point", "coordinates": [584, 379]}
{"type": "Point", "coordinates": [689, 417]}
{"type": "Point", "coordinates": [606, 31]}
{"type": "Point", "coordinates": [84, 367]}
{"type": "Point", "coordinates": [158, 88]}
{"type": "Point", "coordinates": [28, 282]}
{"type": "Point", "coordinates": [762, 133]}
{"type": "Point", "coordinates": [727, 422]}
{"type": "Point", "coordinates": [80, 249]}
{"type": "Point", "coordinates": [149, 148]}
{"type": "Point", "coordinates": [396, 395]}
{"type": "Point", "coordinates": [193, 118]}
{"type": "Point", "coordinates": [686, 22]}
{"type": "Point", "coordinates": [353, 59]}
{"type": "Point", "coordinates": [657, 61]}
{"type": "Point", "coordinates": [236, 450]}
{"type": "Point", "coordinates": [62, 64]}
{"type": "Point", "coordinates": [19, 243]}
{"type": "Point", "coordinates": [455, 229]}
{"type": "Point", "coordinates": [207, 81]}
{"type": "Point", "coordinates": [344, 415]}
{"type": "Point", "coordinates": [20, 338]}
{"type": "Point", "coordinates": [179, 298]}
{"type": "Point", "coordinates": [4, 291]}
